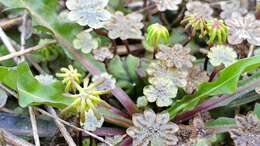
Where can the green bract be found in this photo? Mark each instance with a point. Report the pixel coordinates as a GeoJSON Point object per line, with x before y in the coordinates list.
{"type": "Point", "coordinates": [156, 34]}
{"type": "Point", "coordinates": [197, 23]}
{"type": "Point", "coordinates": [217, 30]}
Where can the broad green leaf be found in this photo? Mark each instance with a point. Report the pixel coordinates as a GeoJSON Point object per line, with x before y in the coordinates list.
{"type": "Point", "coordinates": [32, 92]}
{"type": "Point", "coordinates": [116, 68]}
{"type": "Point", "coordinates": [4, 51]}
{"type": "Point", "coordinates": [101, 67]}
{"type": "Point", "coordinates": [225, 84]}
{"type": "Point", "coordinates": [3, 98]}
{"type": "Point", "coordinates": [125, 71]}
{"type": "Point", "coordinates": [8, 76]}
{"type": "Point", "coordinates": [221, 122]}
{"type": "Point", "coordinates": [257, 110]}
{"type": "Point", "coordinates": [45, 14]}
{"type": "Point", "coordinates": [132, 63]}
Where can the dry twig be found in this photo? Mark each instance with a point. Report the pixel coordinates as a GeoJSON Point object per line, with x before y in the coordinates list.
{"type": "Point", "coordinates": [34, 127]}
{"type": "Point", "coordinates": [14, 140]}
{"type": "Point", "coordinates": [71, 125]}
{"type": "Point", "coordinates": [62, 128]}
{"type": "Point", "coordinates": [26, 51]}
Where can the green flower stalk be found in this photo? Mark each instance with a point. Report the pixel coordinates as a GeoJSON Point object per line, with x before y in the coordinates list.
{"type": "Point", "coordinates": [217, 30]}
{"type": "Point", "coordinates": [156, 34]}
{"type": "Point", "coordinates": [196, 23]}
{"type": "Point", "coordinates": [69, 76]}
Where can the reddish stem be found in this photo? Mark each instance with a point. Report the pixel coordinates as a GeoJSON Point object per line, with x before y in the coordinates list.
{"type": "Point", "coordinates": [108, 131]}
{"type": "Point", "coordinates": [125, 100]}
{"type": "Point", "coordinates": [126, 142]}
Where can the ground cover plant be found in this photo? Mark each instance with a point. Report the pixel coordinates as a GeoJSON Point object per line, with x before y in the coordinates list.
{"type": "Point", "coordinates": [130, 72]}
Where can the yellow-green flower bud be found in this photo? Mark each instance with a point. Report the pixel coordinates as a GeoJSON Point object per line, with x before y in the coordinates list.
{"type": "Point", "coordinates": [217, 29]}
{"type": "Point", "coordinates": [156, 34]}
{"type": "Point", "coordinates": [196, 23]}
{"type": "Point", "coordinates": [69, 76]}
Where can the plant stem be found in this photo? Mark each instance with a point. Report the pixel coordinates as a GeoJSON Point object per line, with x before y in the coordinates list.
{"type": "Point", "coordinates": [206, 63]}
{"type": "Point", "coordinates": [127, 46]}
{"type": "Point", "coordinates": [164, 20]}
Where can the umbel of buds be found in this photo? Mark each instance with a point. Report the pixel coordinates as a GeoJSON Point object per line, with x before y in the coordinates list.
{"type": "Point", "coordinates": [157, 34]}
{"type": "Point", "coordinates": [87, 97]}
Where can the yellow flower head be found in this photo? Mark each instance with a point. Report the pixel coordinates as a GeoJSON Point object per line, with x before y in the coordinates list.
{"type": "Point", "coordinates": [69, 76]}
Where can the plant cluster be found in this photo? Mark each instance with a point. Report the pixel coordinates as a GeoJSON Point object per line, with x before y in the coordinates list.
{"type": "Point", "coordinates": [132, 72]}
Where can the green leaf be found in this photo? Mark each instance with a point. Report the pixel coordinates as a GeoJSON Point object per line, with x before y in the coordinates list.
{"type": "Point", "coordinates": [132, 63]}
{"type": "Point", "coordinates": [101, 67]}
{"type": "Point", "coordinates": [32, 92]}
{"type": "Point", "coordinates": [257, 110]}
{"type": "Point", "coordinates": [225, 84]}
{"type": "Point", "coordinates": [245, 99]}
{"type": "Point", "coordinates": [45, 14]}
{"type": "Point", "coordinates": [3, 98]}
{"type": "Point", "coordinates": [221, 122]}
{"type": "Point", "coordinates": [124, 70]}
{"type": "Point", "coordinates": [116, 68]}
{"type": "Point", "coordinates": [4, 51]}
{"type": "Point", "coordinates": [8, 76]}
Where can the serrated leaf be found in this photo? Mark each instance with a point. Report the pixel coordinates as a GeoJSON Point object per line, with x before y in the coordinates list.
{"type": "Point", "coordinates": [221, 122]}
{"type": "Point", "coordinates": [225, 84]}
{"type": "Point", "coordinates": [32, 92]}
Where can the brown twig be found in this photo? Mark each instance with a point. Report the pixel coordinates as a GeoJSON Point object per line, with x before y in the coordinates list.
{"type": "Point", "coordinates": [26, 51]}
{"type": "Point", "coordinates": [164, 20]}
{"type": "Point", "coordinates": [14, 140]}
{"type": "Point", "coordinates": [9, 23]}
{"type": "Point", "coordinates": [62, 128]}
{"type": "Point", "coordinates": [34, 127]}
